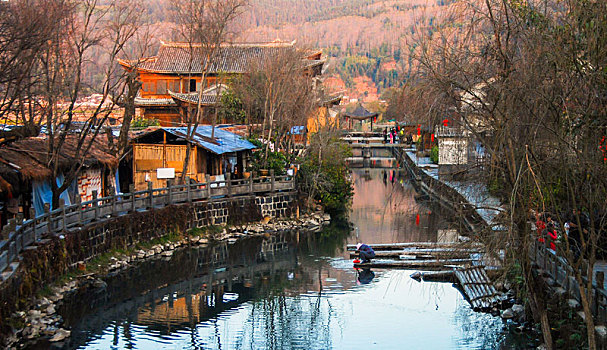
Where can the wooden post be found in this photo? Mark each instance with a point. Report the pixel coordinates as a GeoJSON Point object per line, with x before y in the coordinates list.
{"type": "Point", "coordinates": [132, 191]}
{"type": "Point", "coordinates": [62, 206]}
{"type": "Point", "coordinates": [273, 179]}
{"type": "Point", "coordinates": [251, 182]}
{"type": "Point", "coordinates": [169, 192]}
{"type": "Point", "coordinates": [96, 205]}
{"type": "Point", "coordinates": [79, 208]}
{"type": "Point", "coordinates": [600, 279]}
{"type": "Point", "coordinates": [228, 177]}
{"type": "Point", "coordinates": [189, 188]}
{"type": "Point", "coordinates": [114, 214]}
{"type": "Point", "coordinates": [207, 186]}
{"type": "Point", "coordinates": [47, 214]}
{"type": "Point", "coordinates": [150, 195]}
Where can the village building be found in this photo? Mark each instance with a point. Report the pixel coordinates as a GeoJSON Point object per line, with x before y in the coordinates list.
{"type": "Point", "coordinates": [158, 155]}
{"type": "Point", "coordinates": [25, 176]}
{"type": "Point", "coordinates": [172, 80]}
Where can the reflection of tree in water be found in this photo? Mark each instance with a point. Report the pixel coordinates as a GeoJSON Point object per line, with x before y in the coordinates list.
{"type": "Point", "coordinates": [478, 328]}
{"type": "Point", "coordinates": [280, 321]}
{"type": "Point", "coordinates": [385, 207]}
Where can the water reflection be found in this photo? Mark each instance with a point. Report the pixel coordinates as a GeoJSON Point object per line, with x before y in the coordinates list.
{"type": "Point", "coordinates": [293, 291]}
{"type": "Point", "coordinates": [386, 208]}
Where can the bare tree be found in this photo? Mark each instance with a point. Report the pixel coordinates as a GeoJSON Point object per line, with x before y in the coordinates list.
{"type": "Point", "coordinates": [82, 28]}
{"type": "Point", "coordinates": [282, 93]}
{"type": "Point", "coordinates": [526, 80]}
{"type": "Point", "coordinates": [205, 26]}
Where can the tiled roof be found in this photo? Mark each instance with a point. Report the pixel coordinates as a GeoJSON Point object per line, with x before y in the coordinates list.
{"type": "Point", "coordinates": [154, 102]}
{"type": "Point", "coordinates": [361, 113]}
{"type": "Point", "coordinates": [183, 58]}
{"type": "Point", "coordinates": [209, 96]}
{"type": "Point", "coordinates": [224, 141]}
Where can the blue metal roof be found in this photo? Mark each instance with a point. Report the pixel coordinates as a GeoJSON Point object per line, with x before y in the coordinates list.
{"type": "Point", "coordinates": [297, 130]}
{"type": "Point", "coordinates": [225, 141]}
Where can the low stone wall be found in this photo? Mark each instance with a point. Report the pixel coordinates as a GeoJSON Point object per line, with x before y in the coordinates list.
{"type": "Point", "coordinates": [51, 258]}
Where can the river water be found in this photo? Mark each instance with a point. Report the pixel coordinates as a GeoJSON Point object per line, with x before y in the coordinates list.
{"type": "Point", "coordinates": [294, 291]}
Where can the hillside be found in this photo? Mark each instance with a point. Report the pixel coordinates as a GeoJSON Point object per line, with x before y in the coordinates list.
{"type": "Point", "coordinates": [372, 38]}
{"type": "Point", "coordinates": [363, 38]}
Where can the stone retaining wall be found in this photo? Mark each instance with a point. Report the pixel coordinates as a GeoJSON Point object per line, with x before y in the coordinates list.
{"type": "Point", "coordinates": [445, 195]}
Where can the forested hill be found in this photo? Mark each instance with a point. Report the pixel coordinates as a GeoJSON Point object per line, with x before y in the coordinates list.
{"type": "Point", "coordinates": [370, 40]}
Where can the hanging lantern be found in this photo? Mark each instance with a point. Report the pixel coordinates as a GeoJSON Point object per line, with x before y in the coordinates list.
{"type": "Point", "coordinates": [419, 130]}
{"type": "Point", "coordinates": [432, 137]}
{"type": "Point", "coordinates": [446, 122]}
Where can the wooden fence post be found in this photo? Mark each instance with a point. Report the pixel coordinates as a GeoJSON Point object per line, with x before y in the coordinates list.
{"type": "Point", "coordinates": [132, 191]}
{"type": "Point", "coordinates": [169, 192]}
{"type": "Point", "coordinates": [96, 205]}
{"type": "Point", "coordinates": [79, 208]}
{"type": "Point", "coordinates": [251, 182]}
{"type": "Point", "coordinates": [273, 180]}
{"type": "Point", "coordinates": [47, 214]}
{"type": "Point", "coordinates": [32, 216]}
{"type": "Point", "coordinates": [114, 199]}
{"type": "Point", "coordinates": [150, 195]}
{"type": "Point", "coordinates": [228, 180]}
{"type": "Point", "coordinates": [62, 206]}
{"type": "Point", "coordinates": [189, 188]}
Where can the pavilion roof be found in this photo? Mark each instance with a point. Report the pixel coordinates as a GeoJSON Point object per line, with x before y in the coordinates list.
{"type": "Point", "coordinates": [360, 113]}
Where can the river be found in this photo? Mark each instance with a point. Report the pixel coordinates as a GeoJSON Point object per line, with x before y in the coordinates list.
{"type": "Point", "coordinates": [294, 291]}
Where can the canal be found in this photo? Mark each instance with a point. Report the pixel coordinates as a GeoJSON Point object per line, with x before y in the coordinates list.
{"type": "Point", "coordinates": [294, 291]}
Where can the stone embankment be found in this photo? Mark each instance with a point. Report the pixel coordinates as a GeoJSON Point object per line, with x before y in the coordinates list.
{"type": "Point", "coordinates": [41, 321]}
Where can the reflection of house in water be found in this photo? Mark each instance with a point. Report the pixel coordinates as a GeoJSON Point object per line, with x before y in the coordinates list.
{"type": "Point", "coordinates": [272, 246]}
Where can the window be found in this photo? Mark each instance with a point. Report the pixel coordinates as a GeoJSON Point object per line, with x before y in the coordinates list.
{"type": "Point", "coordinates": [193, 85]}
{"type": "Point", "coordinates": [161, 87]}
{"type": "Point", "coordinates": [174, 85]}
{"type": "Point", "coordinates": [146, 87]}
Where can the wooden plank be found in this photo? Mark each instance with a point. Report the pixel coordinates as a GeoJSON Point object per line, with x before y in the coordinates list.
{"type": "Point", "coordinates": [414, 263]}
{"type": "Point", "coordinates": [397, 246]}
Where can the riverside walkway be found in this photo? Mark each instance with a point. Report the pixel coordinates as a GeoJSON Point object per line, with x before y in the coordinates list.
{"type": "Point", "coordinates": [18, 235]}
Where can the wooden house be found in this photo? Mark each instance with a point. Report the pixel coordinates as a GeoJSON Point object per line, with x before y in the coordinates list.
{"type": "Point", "coordinates": [25, 175]}
{"type": "Point", "coordinates": [159, 155]}
{"type": "Point", "coordinates": [325, 115]}
{"type": "Point", "coordinates": [172, 80]}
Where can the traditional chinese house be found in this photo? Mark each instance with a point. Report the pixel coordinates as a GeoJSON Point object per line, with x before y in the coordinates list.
{"type": "Point", "coordinates": [171, 80]}
{"type": "Point", "coordinates": [161, 150]}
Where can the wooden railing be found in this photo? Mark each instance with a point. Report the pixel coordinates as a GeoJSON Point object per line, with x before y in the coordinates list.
{"type": "Point", "coordinates": [19, 234]}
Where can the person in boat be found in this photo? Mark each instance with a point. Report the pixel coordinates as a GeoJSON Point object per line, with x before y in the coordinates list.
{"type": "Point", "coordinates": [365, 252]}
